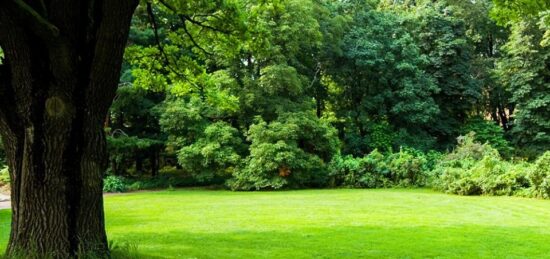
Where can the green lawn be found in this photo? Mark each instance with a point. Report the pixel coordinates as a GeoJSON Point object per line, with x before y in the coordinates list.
{"type": "Point", "coordinates": [326, 224]}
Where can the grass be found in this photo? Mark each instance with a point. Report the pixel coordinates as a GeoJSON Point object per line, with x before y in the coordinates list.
{"type": "Point", "coordinates": [325, 224]}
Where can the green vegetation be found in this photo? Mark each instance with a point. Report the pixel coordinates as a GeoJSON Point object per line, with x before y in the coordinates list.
{"type": "Point", "coordinates": [297, 94]}
{"type": "Point", "coordinates": [263, 95]}
{"type": "Point", "coordinates": [325, 223]}
{"type": "Point", "coordinates": [470, 169]}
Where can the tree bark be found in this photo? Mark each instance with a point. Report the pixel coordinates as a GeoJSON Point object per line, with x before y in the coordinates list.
{"type": "Point", "coordinates": [58, 79]}
{"type": "Point", "coordinates": [155, 162]}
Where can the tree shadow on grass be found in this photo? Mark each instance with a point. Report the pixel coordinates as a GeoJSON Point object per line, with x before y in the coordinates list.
{"type": "Point", "coordinates": [468, 241]}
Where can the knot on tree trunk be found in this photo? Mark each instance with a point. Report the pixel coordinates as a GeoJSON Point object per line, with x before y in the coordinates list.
{"type": "Point", "coordinates": [56, 107]}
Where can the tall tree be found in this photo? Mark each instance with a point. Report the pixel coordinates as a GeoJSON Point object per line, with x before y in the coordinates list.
{"type": "Point", "coordinates": [381, 78]}
{"type": "Point", "coordinates": [442, 38]}
{"type": "Point", "coordinates": [524, 69]}
{"type": "Point", "coordinates": [525, 73]}
{"type": "Point", "coordinates": [58, 78]}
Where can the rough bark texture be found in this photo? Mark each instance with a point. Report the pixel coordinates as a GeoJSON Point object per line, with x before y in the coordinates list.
{"type": "Point", "coordinates": [57, 81]}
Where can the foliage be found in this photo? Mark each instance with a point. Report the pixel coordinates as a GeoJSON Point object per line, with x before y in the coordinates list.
{"type": "Point", "coordinates": [475, 169]}
{"type": "Point", "coordinates": [123, 148]}
{"type": "Point", "coordinates": [113, 183]}
{"type": "Point", "coordinates": [262, 93]}
{"type": "Point", "coordinates": [506, 12]}
{"type": "Point", "coordinates": [133, 131]}
{"type": "Point", "coordinates": [406, 168]}
{"type": "Point", "coordinates": [443, 39]}
{"type": "Point", "coordinates": [370, 171]}
{"type": "Point", "coordinates": [164, 181]}
{"type": "Point", "coordinates": [4, 176]}
{"type": "Point", "coordinates": [524, 73]}
{"type": "Point", "coordinates": [380, 82]}
{"type": "Point", "coordinates": [217, 152]}
{"type": "Point", "coordinates": [292, 151]}
{"type": "Point", "coordinates": [540, 176]}
{"type": "Point", "coordinates": [489, 176]}
{"type": "Point", "coordinates": [488, 132]}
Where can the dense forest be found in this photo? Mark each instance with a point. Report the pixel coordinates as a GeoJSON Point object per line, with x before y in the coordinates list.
{"type": "Point", "coordinates": [253, 94]}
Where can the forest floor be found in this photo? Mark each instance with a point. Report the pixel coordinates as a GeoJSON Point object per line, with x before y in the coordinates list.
{"type": "Point", "coordinates": [343, 223]}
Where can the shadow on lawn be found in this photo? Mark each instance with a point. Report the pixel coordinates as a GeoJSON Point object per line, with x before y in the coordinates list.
{"type": "Point", "coordinates": [356, 242]}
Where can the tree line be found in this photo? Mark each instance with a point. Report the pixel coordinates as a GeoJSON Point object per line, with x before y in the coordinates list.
{"type": "Point", "coordinates": [261, 91]}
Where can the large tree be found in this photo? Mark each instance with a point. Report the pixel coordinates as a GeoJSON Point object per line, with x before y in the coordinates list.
{"type": "Point", "coordinates": [58, 77]}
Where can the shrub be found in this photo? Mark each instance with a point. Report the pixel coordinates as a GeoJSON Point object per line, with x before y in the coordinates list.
{"type": "Point", "coordinates": [540, 176]}
{"type": "Point", "coordinates": [292, 151]}
{"type": "Point", "coordinates": [408, 168]}
{"type": "Point", "coordinates": [216, 153]}
{"type": "Point", "coordinates": [135, 186]}
{"type": "Point", "coordinates": [475, 169]}
{"type": "Point", "coordinates": [344, 171]}
{"type": "Point", "coordinates": [159, 182]}
{"type": "Point", "coordinates": [377, 171]}
{"type": "Point", "coordinates": [469, 150]}
{"type": "Point", "coordinates": [497, 177]}
{"type": "Point", "coordinates": [349, 171]}
{"type": "Point", "coordinates": [488, 132]}
{"type": "Point", "coordinates": [113, 183]}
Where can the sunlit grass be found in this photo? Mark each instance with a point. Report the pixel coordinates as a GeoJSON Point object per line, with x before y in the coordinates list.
{"type": "Point", "coordinates": [325, 224]}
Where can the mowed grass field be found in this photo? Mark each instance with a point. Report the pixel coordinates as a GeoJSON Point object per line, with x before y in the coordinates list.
{"type": "Point", "coordinates": [195, 223]}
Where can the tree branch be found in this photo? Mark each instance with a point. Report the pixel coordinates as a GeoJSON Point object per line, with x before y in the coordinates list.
{"type": "Point", "coordinates": [201, 24]}
{"type": "Point", "coordinates": [41, 26]}
{"type": "Point", "coordinates": [193, 39]}
{"type": "Point", "coordinates": [191, 20]}
{"type": "Point", "coordinates": [317, 71]}
{"type": "Point", "coordinates": [157, 39]}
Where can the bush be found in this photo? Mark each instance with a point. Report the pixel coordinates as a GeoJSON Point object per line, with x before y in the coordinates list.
{"type": "Point", "coordinates": [113, 183]}
{"type": "Point", "coordinates": [488, 132]}
{"type": "Point", "coordinates": [292, 151]}
{"type": "Point", "coordinates": [476, 169]}
{"type": "Point", "coordinates": [540, 176]}
{"type": "Point", "coordinates": [160, 182]}
{"type": "Point", "coordinates": [216, 153]}
{"type": "Point", "coordinates": [469, 150]}
{"type": "Point", "coordinates": [497, 177]}
{"type": "Point", "coordinates": [346, 171]}
{"type": "Point", "coordinates": [377, 170]}
{"type": "Point", "coordinates": [370, 171]}
{"type": "Point", "coordinates": [408, 168]}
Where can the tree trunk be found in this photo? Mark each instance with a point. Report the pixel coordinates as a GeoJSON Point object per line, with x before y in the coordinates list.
{"type": "Point", "coordinates": [139, 164]}
{"type": "Point", "coordinates": [155, 162]}
{"type": "Point", "coordinates": [58, 79]}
